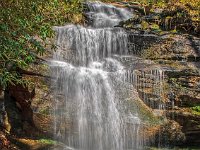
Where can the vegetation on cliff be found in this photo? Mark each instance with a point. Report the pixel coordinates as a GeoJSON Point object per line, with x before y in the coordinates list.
{"type": "Point", "coordinates": [170, 15]}
{"type": "Point", "coordinates": [24, 27]}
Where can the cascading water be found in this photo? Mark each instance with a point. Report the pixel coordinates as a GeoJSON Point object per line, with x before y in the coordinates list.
{"type": "Point", "coordinates": [89, 44]}
{"type": "Point", "coordinates": [89, 113]}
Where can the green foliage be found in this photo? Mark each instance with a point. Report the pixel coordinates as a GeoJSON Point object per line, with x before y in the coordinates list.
{"type": "Point", "coordinates": [25, 25]}
{"type": "Point", "coordinates": [45, 111]}
{"type": "Point", "coordinates": [196, 110]}
{"type": "Point", "coordinates": [47, 141]}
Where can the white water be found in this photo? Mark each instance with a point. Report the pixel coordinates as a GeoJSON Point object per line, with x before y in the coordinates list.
{"type": "Point", "coordinates": [89, 113]}
{"type": "Point", "coordinates": [88, 44]}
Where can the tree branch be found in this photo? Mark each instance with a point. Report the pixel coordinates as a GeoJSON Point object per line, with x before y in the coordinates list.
{"type": "Point", "coordinates": [25, 72]}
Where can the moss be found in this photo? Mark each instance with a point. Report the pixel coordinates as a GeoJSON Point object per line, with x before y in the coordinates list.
{"type": "Point", "coordinates": [145, 25]}
{"type": "Point", "coordinates": [145, 113]}
{"type": "Point", "coordinates": [196, 110]}
{"type": "Point", "coordinates": [155, 27]}
{"type": "Point", "coordinates": [47, 141]}
{"type": "Point", "coordinates": [45, 111]}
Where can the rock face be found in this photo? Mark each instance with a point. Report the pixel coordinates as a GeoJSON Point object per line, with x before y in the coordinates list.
{"type": "Point", "coordinates": [2, 108]}
{"type": "Point", "coordinates": [170, 134]}
{"type": "Point", "coordinates": [165, 47]}
{"type": "Point", "coordinates": [181, 78]}
{"type": "Point", "coordinates": [23, 99]}
{"type": "Point", "coordinates": [177, 56]}
{"type": "Point", "coordinates": [179, 60]}
{"type": "Point", "coordinates": [18, 106]}
{"type": "Point", "coordinates": [190, 125]}
{"type": "Point", "coordinates": [13, 114]}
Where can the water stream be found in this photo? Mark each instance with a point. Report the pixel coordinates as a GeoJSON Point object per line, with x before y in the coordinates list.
{"type": "Point", "coordinates": [90, 101]}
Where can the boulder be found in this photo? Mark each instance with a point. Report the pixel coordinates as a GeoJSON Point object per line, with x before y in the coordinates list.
{"type": "Point", "coordinates": [170, 134]}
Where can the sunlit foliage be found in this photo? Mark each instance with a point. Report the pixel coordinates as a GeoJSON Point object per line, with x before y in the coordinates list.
{"type": "Point", "coordinates": [22, 23]}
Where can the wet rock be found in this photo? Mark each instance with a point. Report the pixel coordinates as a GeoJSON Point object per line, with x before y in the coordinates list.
{"type": "Point", "coordinates": [17, 99]}
{"type": "Point", "coordinates": [44, 123]}
{"type": "Point", "coordinates": [181, 78]}
{"type": "Point", "coordinates": [185, 84]}
{"type": "Point", "coordinates": [170, 134]}
{"type": "Point", "coordinates": [23, 98]}
{"type": "Point", "coordinates": [190, 125]}
{"type": "Point", "coordinates": [4, 142]}
{"type": "Point", "coordinates": [138, 42]}
{"type": "Point", "coordinates": [14, 117]}
{"type": "Point", "coordinates": [2, 110]}
{"type": "Point", "coordinates": [185, 72]}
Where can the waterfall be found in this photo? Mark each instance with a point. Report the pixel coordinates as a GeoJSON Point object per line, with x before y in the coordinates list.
{"type": "Point", "coordinates": [86, 45]}
{"type": "Point", "coordinates": [90, 112]}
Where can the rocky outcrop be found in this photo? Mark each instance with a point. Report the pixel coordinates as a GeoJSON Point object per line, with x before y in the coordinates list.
{"type": "Point", "coordinates": [173, 17]}
{"type": "Point", "coordinates": [23, 98]}
{"type": "Point", "coordinates": [171, 47]}
{"type": "Point", "coordinates": [170, 134]}
{"type": "Point", "coordinates": [17, 99]}
{"type": "Point", "coordinates": [177, 56]}
{"type": "Point", "coordinates": [190, 124]}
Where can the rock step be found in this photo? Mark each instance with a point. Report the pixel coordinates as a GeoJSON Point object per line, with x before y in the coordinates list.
{"type": "Point", "coordinates": [193, 132]}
